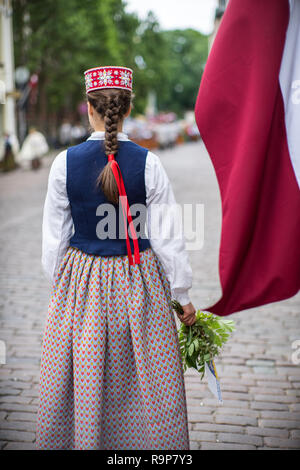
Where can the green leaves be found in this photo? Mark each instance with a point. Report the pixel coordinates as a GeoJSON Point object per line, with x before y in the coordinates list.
{"type": "Point", "coordinates": [186, 54]}
{"type": "Point", "coordinates": [203, 341]}
{"type": "Point", "coordinates": [59, 40]}
{"type": "Point", "coordinates": [177, 307]}
{"type": "Point", "coordinates": [191, 349]}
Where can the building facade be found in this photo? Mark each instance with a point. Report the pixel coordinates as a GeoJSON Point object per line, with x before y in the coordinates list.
{"type": "Point", "coordinates": [7, 86]}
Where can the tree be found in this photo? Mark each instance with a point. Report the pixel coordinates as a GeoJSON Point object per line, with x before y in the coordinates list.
{"type": "Point", "coordinates": [59, 40]}
{"type": "Point", "coordinates": [186, 56]}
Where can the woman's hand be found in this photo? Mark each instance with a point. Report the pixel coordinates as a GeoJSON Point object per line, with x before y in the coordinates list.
{"type": "Point", "coordinates": [189, 316]}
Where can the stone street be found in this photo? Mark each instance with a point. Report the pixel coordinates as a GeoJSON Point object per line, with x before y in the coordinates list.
{"type": "Point", "coordinates": [260, 381]}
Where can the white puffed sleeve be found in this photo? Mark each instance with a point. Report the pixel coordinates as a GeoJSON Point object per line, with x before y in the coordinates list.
{"type": "Point", "coordinates": [165, 231]}
{"type": "Point", "coordinates": [57, 220]}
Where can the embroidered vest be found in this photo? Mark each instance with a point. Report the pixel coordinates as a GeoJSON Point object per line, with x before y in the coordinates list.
{"type": "Point", "coordinates": [99, 226]}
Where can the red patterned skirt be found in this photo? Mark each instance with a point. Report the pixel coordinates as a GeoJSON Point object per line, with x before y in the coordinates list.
{"type": "Point", "coordinates": [111, 373]}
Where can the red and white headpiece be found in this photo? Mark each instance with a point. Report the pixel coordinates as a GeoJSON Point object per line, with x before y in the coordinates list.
{"type": "Point", "coordinates": [108, 77]}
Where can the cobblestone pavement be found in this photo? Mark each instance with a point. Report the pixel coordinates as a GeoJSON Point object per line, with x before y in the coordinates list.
{"type": "Point", "coordinates": [260, 383]}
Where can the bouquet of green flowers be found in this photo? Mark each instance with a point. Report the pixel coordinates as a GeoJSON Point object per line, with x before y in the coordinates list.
{"type": "Point", "coordinates": [203, 341]}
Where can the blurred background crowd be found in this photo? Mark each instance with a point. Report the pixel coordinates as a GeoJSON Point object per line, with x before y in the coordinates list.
{"type": "Point", "coordinates": [49, 44]}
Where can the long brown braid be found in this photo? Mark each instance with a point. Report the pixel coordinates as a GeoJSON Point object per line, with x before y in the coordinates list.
{"type": "Point", "coordinates": [111, 105]}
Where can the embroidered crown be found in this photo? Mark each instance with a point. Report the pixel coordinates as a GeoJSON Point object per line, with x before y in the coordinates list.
{"type": "Point", "coordinates": [108, 77]}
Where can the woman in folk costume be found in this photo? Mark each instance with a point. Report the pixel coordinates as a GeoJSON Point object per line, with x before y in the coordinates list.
{"type": "Point", "coordinates": [111, 372]}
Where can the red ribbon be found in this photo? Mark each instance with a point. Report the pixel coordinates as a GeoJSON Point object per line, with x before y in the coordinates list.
{"type": "Point", "coordinates": [126, 212]}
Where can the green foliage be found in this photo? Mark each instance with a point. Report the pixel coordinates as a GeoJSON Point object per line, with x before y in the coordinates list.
{"type": "Point", "coordinates": [60, 39]}
{"type": "Point", "coordinates": [185, 60]}
{"type": "Point", "coordinates": [150, 52]}
{"type": "Point", "coordinates": [203, 341]}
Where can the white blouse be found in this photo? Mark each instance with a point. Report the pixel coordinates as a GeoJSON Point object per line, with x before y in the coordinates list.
{"type": "Point", "coordinates": [57, 226]}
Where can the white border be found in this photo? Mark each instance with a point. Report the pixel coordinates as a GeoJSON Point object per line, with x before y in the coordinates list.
{"type": "Point", "coordinates": [108, 67]}
{"type": "Point", "coordinates": [289, 76]}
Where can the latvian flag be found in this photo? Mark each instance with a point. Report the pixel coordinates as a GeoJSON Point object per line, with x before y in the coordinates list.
{"type": "Point", "coordinates": [248, 114]}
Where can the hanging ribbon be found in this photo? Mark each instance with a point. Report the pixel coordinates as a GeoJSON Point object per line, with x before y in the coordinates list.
{"type": "Point", "coordinates": [126, 212]}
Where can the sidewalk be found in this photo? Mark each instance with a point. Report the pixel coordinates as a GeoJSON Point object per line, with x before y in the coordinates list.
{"type": "Point", "coordinates": [260, 384]}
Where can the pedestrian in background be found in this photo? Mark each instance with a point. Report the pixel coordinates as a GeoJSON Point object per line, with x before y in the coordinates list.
{"type": "Point", "coordinates": [65, 133]}
{"type": "Point", "coordinates": [9, 151]}
{"type": "Point", "coordinates": [111, 371]}
{"type": "Point", "coordinates": [34, 147]}
{"type": "Point", "coordinates": [78, 133]}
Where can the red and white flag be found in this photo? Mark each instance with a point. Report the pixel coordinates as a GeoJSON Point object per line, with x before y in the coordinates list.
{"type": "Point", "coordinates": [248, 114]}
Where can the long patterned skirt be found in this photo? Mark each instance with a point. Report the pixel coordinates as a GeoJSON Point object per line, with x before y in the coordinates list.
{"type": "Point", "coordinates": [111, 373]}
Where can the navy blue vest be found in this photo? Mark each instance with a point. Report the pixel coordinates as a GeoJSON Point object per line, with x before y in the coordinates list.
{"type": "Point", "coordinates": [84, 163]}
